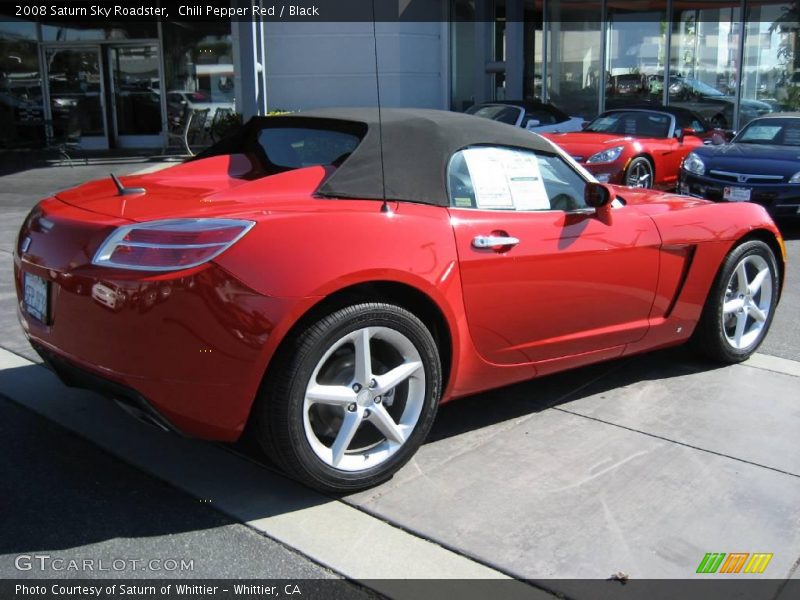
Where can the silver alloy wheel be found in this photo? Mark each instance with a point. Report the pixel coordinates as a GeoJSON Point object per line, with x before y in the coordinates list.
{"type": "Point", "coordinates": [747, 301]}
{"type": "Point", "coordinates": [640, 174]}
{"type": "Point", "coordinates": [363, 398]}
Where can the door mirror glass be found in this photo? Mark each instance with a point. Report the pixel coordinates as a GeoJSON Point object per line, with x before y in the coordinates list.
{"type": "Point", "coordinates": [597, 195]}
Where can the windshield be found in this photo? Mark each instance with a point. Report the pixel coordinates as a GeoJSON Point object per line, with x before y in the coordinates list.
{"type": "Point", "coordinates": [780, 132]}
{"type": "Point", "coordinates": [496, 112]}
{"type": "Point", "coordinates": [702, 88]}
{"type": "Point", "coordinates": [638, 123]}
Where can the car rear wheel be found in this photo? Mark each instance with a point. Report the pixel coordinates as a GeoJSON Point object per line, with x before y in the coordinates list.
{"type": "Point", "coordinates": [639, 173]}
{"type": "Point", "coordinates": [740, 305]}
{"type": "Point", "coordinates": [351, 398]}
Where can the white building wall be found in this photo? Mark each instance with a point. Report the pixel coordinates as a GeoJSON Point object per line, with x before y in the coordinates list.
{"type": "Point", "coordinates": [312, 65]}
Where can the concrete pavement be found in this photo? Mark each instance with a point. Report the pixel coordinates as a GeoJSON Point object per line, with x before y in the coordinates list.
{"type": "Point", "coordinates": [638, 466]}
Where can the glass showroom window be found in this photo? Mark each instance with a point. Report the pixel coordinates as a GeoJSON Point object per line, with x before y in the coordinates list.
{"type": "Point", "coordinates": [21, 108]}
{"type": "Point", "coordinates": [573, 56]}
{"type": "Point", "coordinates": [462, 55]}
{"type": "Point", "coordinates": [198, 69]}
{"type": "Point", "coordinates": [635, 54]}
{"type": "Point", "coordinates": [771, 65]}
{"type": "Point", "coordinates": [532, 75]}
{"type": "Point", "coordinates": [702, 66]}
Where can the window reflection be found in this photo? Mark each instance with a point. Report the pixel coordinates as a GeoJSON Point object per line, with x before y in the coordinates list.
{"type": "Point", "coordinates": [198, 63]}
{"type": "Point", "coordinates": [574, 56]}
{"type": "Point", "coordinates": [771, 66]}
{"type": "Point", "coordinates": [86, 32]}
{"type": "Point", "coordinates": [21, 108]}
{"type": "Point", "coordinates": [635, 54]}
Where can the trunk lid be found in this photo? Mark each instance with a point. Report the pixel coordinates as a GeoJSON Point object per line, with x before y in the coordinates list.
{"type": "Point", "coordinates": [228, 184]}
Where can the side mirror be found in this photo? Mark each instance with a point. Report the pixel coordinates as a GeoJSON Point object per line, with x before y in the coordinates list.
{"type": "Point", "coordinates": [599, 197]}
{"type": "Point", "coordinates": [532, 123]}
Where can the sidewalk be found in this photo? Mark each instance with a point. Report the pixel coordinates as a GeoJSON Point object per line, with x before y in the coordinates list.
{"type": "Point", "coordinates": [639, 466]}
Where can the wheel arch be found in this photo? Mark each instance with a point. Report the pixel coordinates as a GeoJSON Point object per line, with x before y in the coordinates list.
{"type": "Point", "coordinates": [401, 294]}
{"type": "Point", "coordinates": [642, 153]}
{"type": "Point", "coordinates": [771, 240]}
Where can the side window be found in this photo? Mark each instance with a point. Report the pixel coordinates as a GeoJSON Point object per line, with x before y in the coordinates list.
{"type": "Point", "coordinates": [297, 147]}
{"type": "Point", "coordinates": [544, 117]}
{"type": "Point", "coordinates": [492, 178]}
{"type": "Point", "coordinates": [698, 126]}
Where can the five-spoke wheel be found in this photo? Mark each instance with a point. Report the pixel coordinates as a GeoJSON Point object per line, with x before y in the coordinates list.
{"type": "Point", "coordinates": [639, 173]}
{"type": "Point", "coordinates": [355, 395]}
{"type": "Point", "coordinates": [740, 305]}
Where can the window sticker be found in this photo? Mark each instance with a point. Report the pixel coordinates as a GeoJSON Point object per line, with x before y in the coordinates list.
{"type": "Point", "coordinates": [506, 179]}
{"type": "Point", "coordinates": [761, 132]}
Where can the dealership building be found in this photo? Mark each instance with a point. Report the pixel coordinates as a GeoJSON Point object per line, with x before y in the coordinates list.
{"type": "Point", "coordinates": [125, 84]}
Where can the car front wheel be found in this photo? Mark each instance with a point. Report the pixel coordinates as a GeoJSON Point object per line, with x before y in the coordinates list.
{"type": "Point", "coordinates": [351, 398]}
{"type": "Point", "coordinates": [639, 173]}
{"type": "Point", "coordinates": [740, 305]}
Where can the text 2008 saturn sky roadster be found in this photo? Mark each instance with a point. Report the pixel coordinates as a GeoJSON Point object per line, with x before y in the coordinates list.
{"type": "Point", "coordinates": [330, 277]}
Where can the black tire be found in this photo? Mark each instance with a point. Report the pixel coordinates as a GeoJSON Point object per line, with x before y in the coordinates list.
{"type": "Point", "coordinates": [640, 165]}
{"type": "Point", "coordinates": [710, 338]}
{"type": "Point", "coordinates": [279, 412]}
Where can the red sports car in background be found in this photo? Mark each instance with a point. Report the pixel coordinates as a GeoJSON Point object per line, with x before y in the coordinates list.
{"type": "Point", "coordinates": [330, 277]}
{"type": "Point", "coordinates": [639, 147]}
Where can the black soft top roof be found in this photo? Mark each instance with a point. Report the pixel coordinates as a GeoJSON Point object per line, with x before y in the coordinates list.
{"type": "Point", "coordinates": [417, 145]}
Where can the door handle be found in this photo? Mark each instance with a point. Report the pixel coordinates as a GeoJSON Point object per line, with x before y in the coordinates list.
{"type": "Point", "coordinates": [494, 242]}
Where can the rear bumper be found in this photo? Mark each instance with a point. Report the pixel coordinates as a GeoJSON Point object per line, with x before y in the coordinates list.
{"type": "Point", "coordinates": [186, 353]}
{"type": "Point", "coordinates": [781, 200]}
{"type": "Point", "coordinates": [74, 376]}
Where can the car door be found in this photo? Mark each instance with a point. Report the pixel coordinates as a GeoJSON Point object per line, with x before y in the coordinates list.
{"type": "Point", "coordinates": [542, 276]}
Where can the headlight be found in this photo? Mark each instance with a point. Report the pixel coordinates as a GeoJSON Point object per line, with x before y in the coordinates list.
{"type": "Point", "coordinates": [795, 178]}
{"type": "Point", "coordinates": [169, 245]}
{"type": "Point", "coordinates": [693, 164]}
{"type": "Point", "coordinates": [606, 156]}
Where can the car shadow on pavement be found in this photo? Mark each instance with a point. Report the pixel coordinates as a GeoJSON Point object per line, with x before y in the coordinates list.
{"type": "Point", "coordinates": [59, 491]}
{"type": "Point", "coordinates": [73, 478]}
{"type": "Point", "coordinates": [536, 395]}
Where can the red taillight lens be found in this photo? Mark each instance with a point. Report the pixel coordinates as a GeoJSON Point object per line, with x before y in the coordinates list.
{"type": "Point", "coordinates": [170, 245]}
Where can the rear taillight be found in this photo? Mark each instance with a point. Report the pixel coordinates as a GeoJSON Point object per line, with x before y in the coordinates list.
{"type": "Point", "coordinates": [169, 245]}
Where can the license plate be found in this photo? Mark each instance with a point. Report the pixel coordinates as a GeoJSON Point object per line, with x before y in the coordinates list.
{"type": "Point", "coordinates": [736, 194]}
{"type": "Point", "coordinates": [36, 297]}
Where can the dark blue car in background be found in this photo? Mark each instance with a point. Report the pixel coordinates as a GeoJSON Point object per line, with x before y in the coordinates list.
{"type": "Point", "coordinates": [761, 165]}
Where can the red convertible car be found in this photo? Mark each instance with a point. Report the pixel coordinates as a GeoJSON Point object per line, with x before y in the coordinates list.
{"type": "Point", "coordinates": [639, 147]}
{"type": "Point", "coordinates": [328, 278]}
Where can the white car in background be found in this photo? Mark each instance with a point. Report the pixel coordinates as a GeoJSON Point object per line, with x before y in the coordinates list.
{"type": "Point", "coordinates": [538, 117]}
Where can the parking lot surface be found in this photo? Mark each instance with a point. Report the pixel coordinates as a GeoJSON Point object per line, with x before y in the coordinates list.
{"type": "Point", "coordinates": [639, 466]}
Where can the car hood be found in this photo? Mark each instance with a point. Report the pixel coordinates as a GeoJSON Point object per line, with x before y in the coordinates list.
{"type": "Point", "coordinates": [654, 201]}
{"type": "Point", "coordinates": [751, 158]}
{"type": "Point", "coordinates": [228, 184]}
{"type": "Point", "coordinates": [582, 144]}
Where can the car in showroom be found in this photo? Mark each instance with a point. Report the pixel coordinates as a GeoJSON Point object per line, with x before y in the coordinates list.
{"type": "Point", "coordinates": [638, 146]}
{"type": "Point", "coordinates": [539, 117]}
{"type": "Point", "coordinates": [715, 106]}
{"type": "Point", "coordinates": [328, 278]}
{"type": "Point", "coordinates": [760, 165]}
